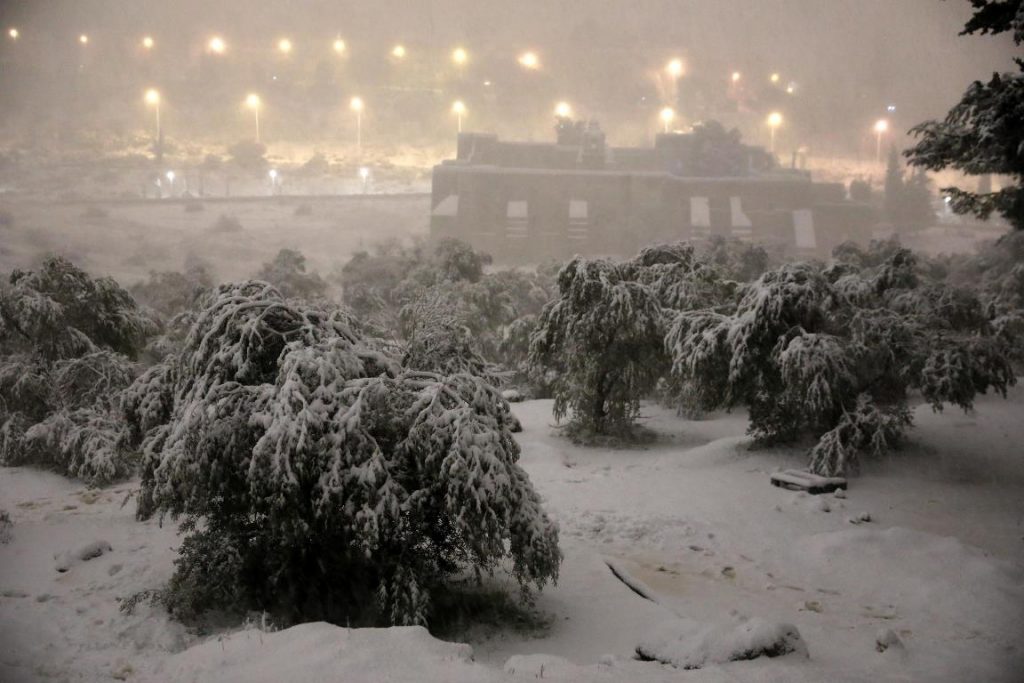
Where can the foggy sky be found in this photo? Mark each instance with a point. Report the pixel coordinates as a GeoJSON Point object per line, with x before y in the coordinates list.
{"type": "Point", "coordinates": [845, 51]}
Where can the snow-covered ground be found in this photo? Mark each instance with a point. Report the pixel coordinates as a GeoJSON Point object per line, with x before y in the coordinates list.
{"type": "Point", "coordinates": [129, 239]}
{"type": "Point", "coordinates": [692, 522]}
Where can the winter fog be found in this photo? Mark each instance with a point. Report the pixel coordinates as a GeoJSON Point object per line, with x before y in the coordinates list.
{"type": "Point", "coordinates": [451, 340]}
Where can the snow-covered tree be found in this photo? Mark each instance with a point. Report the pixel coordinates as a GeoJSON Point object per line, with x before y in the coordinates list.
{"type": "Point", "coordinates": [67, 339]}
{"type": "Point", "coordinates": [982, 133]}
{"type": "Point", "coordinates": [319, 477]}
{"type": "Point", "coordinates": [288, 273]}
{"type": "Point", "coordinates": [835, 351]}
{"type": "Point", "coordinates": [603, 335]}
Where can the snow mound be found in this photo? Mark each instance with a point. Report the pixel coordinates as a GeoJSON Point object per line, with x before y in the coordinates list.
{"type": "Point", "coordinates": [89, 551]}
{"type": "Point", "coordinates": [688, 645]}
{"type": "Point", "coordinates": [320, 652]}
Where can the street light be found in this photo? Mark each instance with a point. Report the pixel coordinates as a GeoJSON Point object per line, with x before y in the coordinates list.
{"type": "Point", "coordinates": [667, 114]}
{"type": "Point", "coordinates": [339, 45]}
{"type": "Point", "coordinates": [459, 109]}
{"type": "Point", "coordinates": [736, 76]}
{"type": "Point", "coordinates": [775, 78]}
{"type": "Point", "coordinates": [881, 127]}
{"type": "Point", "coordinates": [13, 33]}
{"type": "Point", "coordinates": [216, 45]}
{"type": "Point", "coordinates": [284, 46]}
{"type": "Point", "coordinates": [460, 56]}
{"type": "Point", "coordinates": [774, 121]}
{"type": "Point", "coordinates": [563, 110]}
{"type": "Point", "coordinates": [364, 174]}
{"type": "Point", "coordinates": [675, 68]}
{"type": "Point", "coordinates": [356, 105]}
{"type": "Point", "coordinates": [398, 52]}
{"type": "Point", "coordinates": [83, 39]}
{"type": "Point", "coordinates": [252, 101]}
{"type": "Point", "coordinates": [153, 99]}
{"type": "Point", "coordinates": [148, 42]}
{"type": "Point", "coordinates": [529, 60]}
{"type": "Point", "coordinates": [272, 173]}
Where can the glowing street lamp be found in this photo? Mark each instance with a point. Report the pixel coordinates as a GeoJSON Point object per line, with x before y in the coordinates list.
{"type": "Point", "coordinates": [13, 33]}
{"type": "Point", "coordinates": [272, 174]}
{"type": "Point", "coordinates": [398, 52]}
{"type": "Point", "coordinates": [83, 39]}
{"type": "Point", "coordinates": [460, 56]}
{"type": "Point", "coordinates": [216, 45]}
{"type": "Point", "coordinates": [563, 110]}
{"type": "Point", "coordinates": [152, 98]}
{"type": "Point", "coordinates": [529, 60]}
{"type": "Point", "coordinates": [338, 45]}
{"type": "Point", "coordinates": [774, 78]}
{"type": "Point", "coordinates": [881, 127]}
{"type": "Point", "coordinates": [252, 101]}
{"type": "Point", "coordinates": [284, 46]}
{"type": "Point", "coordinates": [774, 121]}
{"type": "Point", "coordinates": [364, 175]}
{"type": "Point", "coordinates": [667, 115]}
{"type": "Point", "coordinates": [148, 42]}
{"type": "Point", "coordinates": [356, 105]}
{"type": "Point", "coordinates": [459, 109]}
{"type": "Point", "coordinates": [675, 68]}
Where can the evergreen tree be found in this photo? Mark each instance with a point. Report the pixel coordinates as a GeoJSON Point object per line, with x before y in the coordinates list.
{"type": "Point", "coordinates": [66, 341]}
{"type": "Point", "coordinates": [982, 133]}
{"type": "Point", "coordinates": [603, 336]}
{"type": "Point", "coordinates": [836, 351]}
{"type": "Point", "coordinates": [320, 478]}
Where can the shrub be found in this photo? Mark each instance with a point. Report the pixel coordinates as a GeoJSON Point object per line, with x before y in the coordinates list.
{"type": "Point", "coordinates": [67, 341]}
{"type": "Point", "coordinates": [227, 223]}
{"type": "Point", "coordinates": [333, 483]}
{"type": "Point", "coordinates": [287, 272]}
{"type": "Point", "coordinates": [248, 154]}
{"type": "Point", "coordinates": [603, 338]}
{"type": "Point", "coordinates": [835, 352]}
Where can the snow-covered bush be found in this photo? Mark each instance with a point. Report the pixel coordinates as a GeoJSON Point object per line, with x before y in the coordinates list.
{"type": "Point", "coordinates": [395, 289]}
{"type": "Point", "coordinates": [287, 272]}
{"type": "Point", "coordinates": [66, 341]}
{"type": "Point", "coordinates": [171, 292]}
{"type": "Point", "coordinates": [318, 476]}
{"type": "Point", "coordinates": [835, 351]}
{"type": "Point", "coordinates": [603, 336]}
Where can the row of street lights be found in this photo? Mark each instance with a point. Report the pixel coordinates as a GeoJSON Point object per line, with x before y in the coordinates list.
{"type": "Point", "coordinates": [529, 59]}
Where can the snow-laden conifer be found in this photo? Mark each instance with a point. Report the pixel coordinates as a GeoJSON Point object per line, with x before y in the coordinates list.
{"type": "Point", "coordinates": [330, 480]}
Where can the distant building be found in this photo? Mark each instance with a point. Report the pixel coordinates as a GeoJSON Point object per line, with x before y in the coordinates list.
{"type": "Point", "coordinates": [525, 202]}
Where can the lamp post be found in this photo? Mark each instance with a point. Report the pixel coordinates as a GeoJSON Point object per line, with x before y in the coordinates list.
{"type": "Point", "coordinates": [338, 45]}
{"type": "Point", "coordinates": [398, 52]}
{"type": "Point", "coordinates": [253, 102]}
{"type": "Point", "coordinates": [459, 109]}
{"type": "Point", "coordinates": [356, 105]}
{"type": "Point", "coordinates": [153, 99]}
{"type": "Point", "coordinates": [284, 46]}
{"type": "Point", "coordinates": [881, 127]}
{"type": "Point", "coordinates": [563, 110]}
{"type": "Point", "coordinates": [13, 33]}
{"type": "Point", "coordinates": [216, 45]}
{"type": "Point", "coordinates": [460, 56]}
{"type": "Point", "coordinates": [774, 121]}
{"type": "Point", "coordinates": [667, 115]}
{"type": "Point", "coordinates": [148, 42]}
